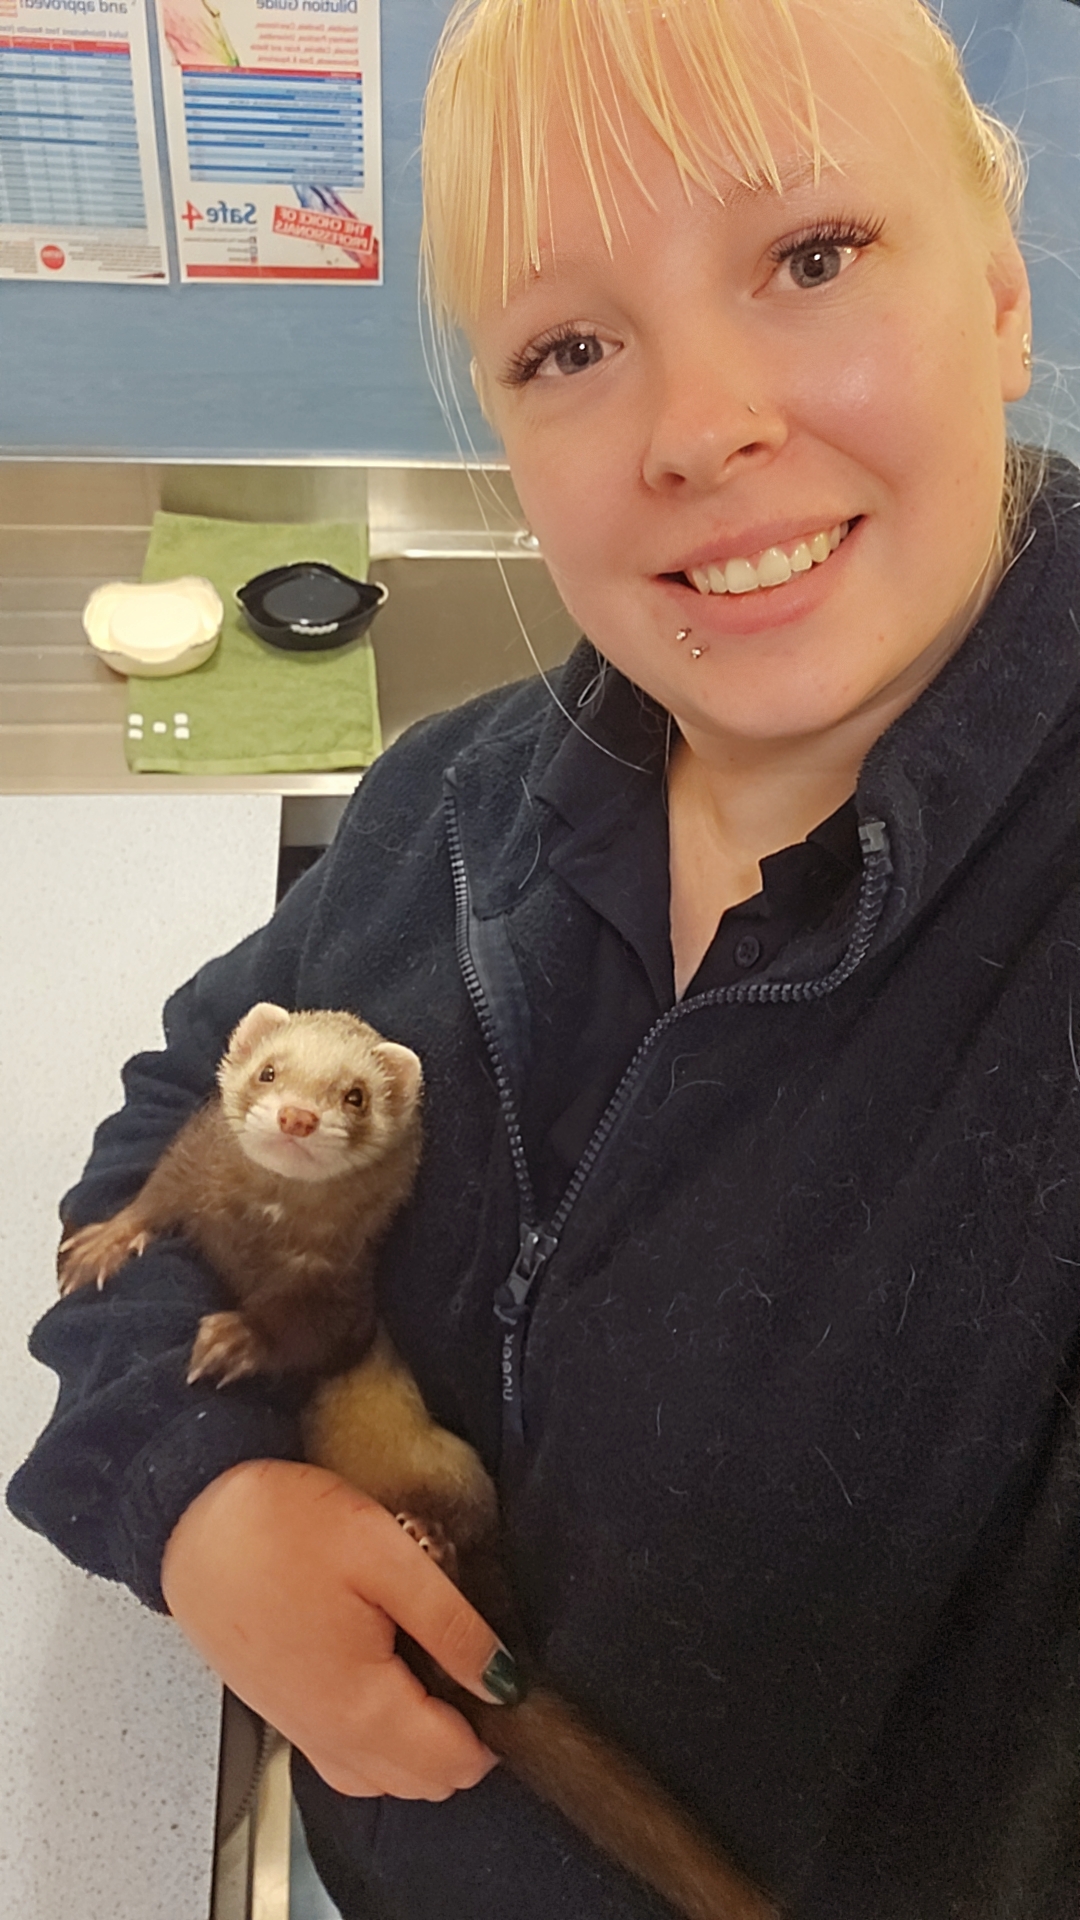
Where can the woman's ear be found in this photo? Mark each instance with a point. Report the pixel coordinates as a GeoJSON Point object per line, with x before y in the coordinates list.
{"type": "Point", "coordinates": [1012, 306]}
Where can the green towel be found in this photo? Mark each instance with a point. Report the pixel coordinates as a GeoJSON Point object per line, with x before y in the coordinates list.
{"type": "Point", "coordinates": [251, 708]}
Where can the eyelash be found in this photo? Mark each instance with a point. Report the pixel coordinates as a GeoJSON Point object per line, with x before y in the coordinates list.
{"type": "Point", "coordinates": [827, 233]}
{"type": "Point", "coordinates": [524, 366]}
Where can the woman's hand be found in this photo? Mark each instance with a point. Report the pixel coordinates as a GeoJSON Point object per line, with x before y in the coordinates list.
{"type": "Point", "coordinates": [290, 1584]}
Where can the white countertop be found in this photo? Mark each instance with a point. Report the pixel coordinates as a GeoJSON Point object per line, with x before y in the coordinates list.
{"type": "Point", "coordinates": [108, 1722]}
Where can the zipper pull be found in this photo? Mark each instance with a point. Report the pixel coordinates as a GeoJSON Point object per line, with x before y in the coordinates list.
{"type": "Point", "coordinates": [534, 1252]}
{"type": "Point", "coordinates": [511, 1310]}
{"type": "Point", "coordinates": [873, 837]}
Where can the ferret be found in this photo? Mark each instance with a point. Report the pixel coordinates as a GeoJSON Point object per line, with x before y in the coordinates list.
{"type": "Point", "coordinates": [287, 1181]}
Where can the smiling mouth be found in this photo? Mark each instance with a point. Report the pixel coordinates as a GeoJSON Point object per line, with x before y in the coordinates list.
{"type": "Point", "coordinates": [773, 568]}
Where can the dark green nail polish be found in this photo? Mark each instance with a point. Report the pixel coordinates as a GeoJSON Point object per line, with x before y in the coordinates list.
{"type": "Point", "coordinates": [502, 1679]}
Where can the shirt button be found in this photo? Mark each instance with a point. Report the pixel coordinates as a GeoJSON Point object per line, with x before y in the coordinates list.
{"type": "Point", "coordinates": [748, 951]}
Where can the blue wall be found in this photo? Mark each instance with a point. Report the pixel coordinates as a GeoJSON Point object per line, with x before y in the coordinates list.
{"type": "Point", "coordinates": [257, 371]}
{"type": "Point", "coordinates": [264, 371]}
{"type": "Point", "coordinates": [1023, 60]}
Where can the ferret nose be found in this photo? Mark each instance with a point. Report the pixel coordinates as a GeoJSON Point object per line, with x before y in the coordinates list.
{"type": "Point", "coordinates": [297, 1121]}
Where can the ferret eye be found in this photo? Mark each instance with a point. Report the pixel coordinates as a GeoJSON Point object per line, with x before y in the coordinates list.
{"type": "Point", "coordinates": [267, 1074]}
{"type": "Point", "coordinates": [356, 1097]}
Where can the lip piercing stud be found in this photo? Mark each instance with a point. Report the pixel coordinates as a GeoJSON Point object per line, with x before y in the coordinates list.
{"type": "Point", "coordinates": [683, 633]}
{"type": "Point", "coordinates": [696, 653]}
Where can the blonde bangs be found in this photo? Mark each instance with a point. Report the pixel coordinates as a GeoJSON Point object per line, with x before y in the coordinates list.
{"type": "Point", "coordinates": [692, 69]}
{"type": "Point", "coordinates": [502, 66]}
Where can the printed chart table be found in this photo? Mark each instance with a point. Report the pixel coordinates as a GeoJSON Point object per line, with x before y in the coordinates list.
{"type": "Point", "coordinates": [272, 128]}
{"type": "Point", "coordinates": [69, 142]}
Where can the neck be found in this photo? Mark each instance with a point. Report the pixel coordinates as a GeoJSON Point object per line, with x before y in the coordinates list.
{"type": "Point", "coordinates": [754, 797]}
{"type": "Point", "coordinates": [734, 801]}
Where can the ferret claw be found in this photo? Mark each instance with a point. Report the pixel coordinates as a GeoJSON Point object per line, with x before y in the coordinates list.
{"type": "Point", "coordinates": [225, 1350]}
{"type": "Point", "coordinates": [94, 1254]}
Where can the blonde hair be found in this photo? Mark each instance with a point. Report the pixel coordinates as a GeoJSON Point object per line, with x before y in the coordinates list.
{"type": "Point", "coordinates": [501, 66]}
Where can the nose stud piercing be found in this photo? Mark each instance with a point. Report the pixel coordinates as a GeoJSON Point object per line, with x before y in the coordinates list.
{"type": "Point", "coordinates": [752, 410]}
{"type": "Point", "coordinates": [1025, 352]}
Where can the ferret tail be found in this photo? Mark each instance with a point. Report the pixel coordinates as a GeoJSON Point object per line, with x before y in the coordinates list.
{"type": "Point", "coordinates": [612, 1800]}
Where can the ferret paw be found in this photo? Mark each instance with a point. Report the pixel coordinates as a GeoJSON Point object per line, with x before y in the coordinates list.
{"type": "Point", "coordinates": [225, 1349]}
{"type": "Point", "coordinates": [433, 1538]}
{"type": "Point", "coordinates": [95, 1253]}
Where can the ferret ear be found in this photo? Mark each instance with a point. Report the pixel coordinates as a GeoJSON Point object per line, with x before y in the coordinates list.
{"type": "Point", "coordinates": [256, 1026]}
{"type": "Point", "coordinates": [404, 1069]}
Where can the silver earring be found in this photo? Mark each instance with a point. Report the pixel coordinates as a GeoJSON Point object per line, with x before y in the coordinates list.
{"type": "Point", "coordinates": [1025, 352]}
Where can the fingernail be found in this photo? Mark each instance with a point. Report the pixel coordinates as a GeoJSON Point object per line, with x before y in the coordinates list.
{"type": "Point", "coordinates": [502, 1679]}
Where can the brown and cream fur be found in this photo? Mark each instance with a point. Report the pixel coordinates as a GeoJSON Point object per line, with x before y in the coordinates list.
{"type": "Point", "coordinates": [287, 1181]}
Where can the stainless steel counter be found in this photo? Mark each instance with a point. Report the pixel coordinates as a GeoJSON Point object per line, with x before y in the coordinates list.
{"type": "Point", "coordinates": [449, 629]}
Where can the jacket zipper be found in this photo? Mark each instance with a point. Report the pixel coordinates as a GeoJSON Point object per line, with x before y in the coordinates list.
{"type": "Point", "coordinates": [538, 1243]}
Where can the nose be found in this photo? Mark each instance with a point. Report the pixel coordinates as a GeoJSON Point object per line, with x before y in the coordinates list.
{"type": "Point", "coordinates": [713, 413]}
{"type": "Point", "coordinates": [297, 1122]}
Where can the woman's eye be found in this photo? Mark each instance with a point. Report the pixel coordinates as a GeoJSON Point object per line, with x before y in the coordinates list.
{"type": "Point", "coordinates": [813, 259]}
{"type": "Point", "coordinates": [815, 266]}
{"type": "Point", "coordinates": [554, 356]}
{"type": "Point", "coordinates": [573, 356]}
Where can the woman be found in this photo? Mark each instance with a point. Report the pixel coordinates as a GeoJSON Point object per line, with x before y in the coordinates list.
{"type": "Point", "coordinates": [742, 974]}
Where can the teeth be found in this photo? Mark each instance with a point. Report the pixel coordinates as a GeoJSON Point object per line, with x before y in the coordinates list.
{"type": "Point", "coordinates": [741, 576]}
{"type": "Point", "coordinates": [772, 568]}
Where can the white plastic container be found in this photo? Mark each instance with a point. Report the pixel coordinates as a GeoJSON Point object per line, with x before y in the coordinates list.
{"type": "Point", "coordinates": [166, 627]}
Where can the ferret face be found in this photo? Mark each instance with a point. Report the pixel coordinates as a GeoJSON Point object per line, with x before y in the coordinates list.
{"type": "Point", "coordinates": [313, 1096]}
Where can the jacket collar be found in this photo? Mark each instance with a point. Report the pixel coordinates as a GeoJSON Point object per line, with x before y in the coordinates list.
{"type": "Point", "coordinates": [938, 778]}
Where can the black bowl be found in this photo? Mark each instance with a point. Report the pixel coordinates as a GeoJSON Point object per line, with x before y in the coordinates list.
{"type": "Point", "coordinates": [309, 606]}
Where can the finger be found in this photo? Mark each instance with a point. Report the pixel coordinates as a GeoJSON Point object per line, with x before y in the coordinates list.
{"type": "Point", "coordinates": [394, 1573]}
{"type": "Point", "coordinates": [393, 1738]}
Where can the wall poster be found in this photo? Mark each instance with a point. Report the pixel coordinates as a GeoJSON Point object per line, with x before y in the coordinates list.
{"type": "Point", "coordinates": [272, 111]}
{"type": "Point", "coordinates": [80, 196]}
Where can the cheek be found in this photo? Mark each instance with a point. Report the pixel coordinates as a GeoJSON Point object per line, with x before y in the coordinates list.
{"type": "Point", "coordinates": [913, 403]}
{"type": "Point", "coordinates": [875, 403]}
{"type": "Point", "coordinates": [573, 476]}
{"type": "Point", "coordinates": [580, 493]}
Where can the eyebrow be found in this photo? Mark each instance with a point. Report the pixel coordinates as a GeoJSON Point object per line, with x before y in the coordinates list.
{"type": "Point", "coordinates": [802, 173]}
